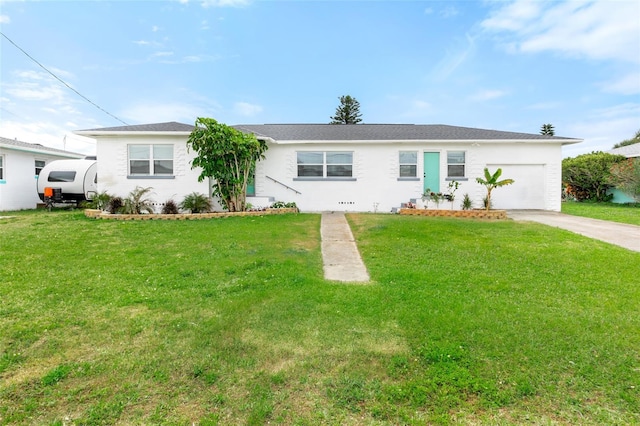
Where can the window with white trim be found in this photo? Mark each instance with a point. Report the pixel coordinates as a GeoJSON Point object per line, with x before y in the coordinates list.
{"type": "Point", "coordinates": [408, 161]}
{"type": "Point", "coordinates": [456, 161]}
{"type": "Point", "coordinates": [39, 166]}
{"type": "Point", "coordinates": [151, 160]}
{"type": "Point", "coordinates": [325, 164]}
{"type": "Point", "coordinates": [1, 167]}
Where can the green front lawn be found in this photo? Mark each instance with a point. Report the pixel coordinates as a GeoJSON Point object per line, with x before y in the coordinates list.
{"type": "Point", "coordinates": [624, 213]}
{"type": "Point", "coordinates": [228, 321]}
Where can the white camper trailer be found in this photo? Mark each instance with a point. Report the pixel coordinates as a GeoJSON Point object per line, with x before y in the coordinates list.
{"type": "Point", "coordinates": [68, 181]}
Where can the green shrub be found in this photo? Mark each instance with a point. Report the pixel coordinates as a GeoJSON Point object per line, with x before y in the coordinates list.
{"type": "Point", "coordinates": [467, 203]}
{"type": "Point", "coordinates": [115, 205]}
{"type": "Point", "coordinates": [196, 203]}
{"type": "Point", "coordinates": [170, 207]}
{"type": "Point", "coordinates": [588, 176]}
{"type": "Point", "coordinates": [138, 202]}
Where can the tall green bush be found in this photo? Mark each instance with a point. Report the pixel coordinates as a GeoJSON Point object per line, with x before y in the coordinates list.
{"type": "Point", "coordinates": [228, 156]}
{"type": "Point", "coordinates": [588, 176]}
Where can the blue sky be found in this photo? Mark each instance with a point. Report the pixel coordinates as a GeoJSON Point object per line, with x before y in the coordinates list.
{"type": "Point", "coordinates": [505, 65]}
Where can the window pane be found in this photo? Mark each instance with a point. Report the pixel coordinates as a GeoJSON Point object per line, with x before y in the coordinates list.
{"type": "Point", "coordinates": [315, 171]}
{"type": "Point", "coordinates": [339, 157]}
{"type": "Point", "coordinates": [163, 167]}
{"type": "Point", "coordinates": [138, 152]}
{"type": "Point", "coordinates": [455, 157]}
{"type": "Point", "coordinates": [163, 152]}
{"type": "Point", "coordinates": [62, 176]}
{"type": "Point", "coordinates": [408, 157]}
{"type": "Point", "coordinates": [339, 171]}
{"type": "Point", "coordinates": [455, 170]}
{"type": "Point", "coordinates": [139, 167]}
{"type": "Point", "coordinates": [310, 158]}
{"type": "Point", "coordinates": [39, 166]}
{"type": "Point", "coordinates": [408, 171]}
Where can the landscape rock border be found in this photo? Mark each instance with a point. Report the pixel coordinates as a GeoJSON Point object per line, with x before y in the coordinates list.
{"type": "Point", "coordinates": [470, 214]}
{"type": "Point", "coordinates": [99, 214]}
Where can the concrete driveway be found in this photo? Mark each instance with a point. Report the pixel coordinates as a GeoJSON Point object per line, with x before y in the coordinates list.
{"type": "Point", "coordinates": [620, 234]}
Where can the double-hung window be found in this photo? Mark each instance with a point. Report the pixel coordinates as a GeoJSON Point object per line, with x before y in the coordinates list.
{"type": "Point", "coordinates": [325, 164]}
{"type": "Point", "coordinates": [408, 161]}
{"type": "Point", "coordinates": [456, 164]}
{"type": "Point", "coordinates": [151, 160]}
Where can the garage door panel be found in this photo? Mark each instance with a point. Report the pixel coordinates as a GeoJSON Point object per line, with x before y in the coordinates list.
{"type": "Point", "coordinates": [527, 191]}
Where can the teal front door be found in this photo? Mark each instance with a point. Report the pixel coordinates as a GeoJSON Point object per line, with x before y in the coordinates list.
{"type": "Point", "coordinates": [431, 172]}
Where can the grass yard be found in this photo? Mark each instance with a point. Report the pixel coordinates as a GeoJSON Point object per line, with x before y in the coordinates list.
{"type": "Point", "coordinates": [624, 213]}
{"type": "Point", "coordinates": [229, 321]}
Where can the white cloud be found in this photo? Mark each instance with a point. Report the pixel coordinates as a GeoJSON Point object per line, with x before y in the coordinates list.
{"type": "Point", "coordinates": [155, 28]}
{"type": "Point", "coordinates": [161, 54]}
{"type": "Point", "coordinates": [625, 85]}
{"type": "Point", "coordinates": [454, 58]}
{"type": "Point", "coordinates": [224, 3]}
{"type": "Point", "coordinates": [5, 19]}
{"type": "Point", "coordinates": [49, 135]}
{"type": "Point", "coordinates": [449, 12]}
{"type": "Point", "coordinates": [486, 95]}
{"type": "Point", "coordinates": [545, 105]}
{"type": "Point", "coordinates": [600, 29]}
{"type": "Point", "coordinates": [158, 110]}
{"type": "Point", "coordinates": [142, 42]}
{"type": "Point", "coordinates": [246, 109]}
{"type": "Point", "coordinates": [603, 128]}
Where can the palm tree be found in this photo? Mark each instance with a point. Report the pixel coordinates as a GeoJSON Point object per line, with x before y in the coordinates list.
{"type": "Point", "coordinates": [547, 130]}
{"type": "Point", "coordinates": [491, 182]}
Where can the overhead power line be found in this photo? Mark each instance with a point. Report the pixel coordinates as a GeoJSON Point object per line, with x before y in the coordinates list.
{"type": "Point", "coordinates": [62, 81]}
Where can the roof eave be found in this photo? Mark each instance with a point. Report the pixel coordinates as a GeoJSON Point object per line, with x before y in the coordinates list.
{"type": "Point", "coordinates": [42, 151]}
{"type": "Point", "coordinates": [95, 134]}
{"type": "Point", "coordinates": [409, 141]}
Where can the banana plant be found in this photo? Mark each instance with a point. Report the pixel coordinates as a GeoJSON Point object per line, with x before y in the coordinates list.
{"type": "Point", "coordinates": [491, 182]}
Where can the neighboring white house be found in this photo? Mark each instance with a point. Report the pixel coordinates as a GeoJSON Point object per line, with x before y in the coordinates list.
{"type": "Point", "coordinates": [20, 165]}
{"type": "Point", "coordinates": [361, 167]}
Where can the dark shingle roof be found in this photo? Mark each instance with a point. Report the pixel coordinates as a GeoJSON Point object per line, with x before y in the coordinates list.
{"type": "Point", "coordinates": [347, 132]}
{"type": "Point", "coordinates": [629, 151]}
{"type": "Point", "coordinates": [36, 147]}
{"type": "Point", "coordinates": [382, 132]}
{"type": "Point", "coordinates": [171, 126]}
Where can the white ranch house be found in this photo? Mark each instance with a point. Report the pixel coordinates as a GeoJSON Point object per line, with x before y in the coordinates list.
{"type": "Point", "coordinates": [361, 167]}
{"type": "Point", "coordinates": [20, 165]}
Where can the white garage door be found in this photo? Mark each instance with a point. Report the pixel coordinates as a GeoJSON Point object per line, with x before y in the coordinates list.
{"type": "Point", "coordinates": [528, 190]}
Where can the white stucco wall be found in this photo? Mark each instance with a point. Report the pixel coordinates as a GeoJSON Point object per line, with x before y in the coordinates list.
{"type": "Point", "coordinates": [536, 166]}
{"type": "Point", "coordinates": [112, 153]}
{"type": "Point", "coordinates": [18, 188]}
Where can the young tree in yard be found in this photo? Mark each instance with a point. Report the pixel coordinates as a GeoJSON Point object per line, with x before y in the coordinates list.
{"type": "Point", "coordinates": [491, 182]}
{"type": "Point", "coordinates": [348, 112]}
{"type": "Point", "coordinates": [228, 156]}
{"type": "Point", "coordinates": [547, 130]}
{"type": "Point", "coordinates": [588, 176]}
{"type": "Point", "coordinates": [625, 176]}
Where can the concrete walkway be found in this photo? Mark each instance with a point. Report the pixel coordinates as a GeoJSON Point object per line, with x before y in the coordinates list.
{"type": "Point", "coordinates": [342, 261]}
{"type": "Point", "coordinates": [620, 234]}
